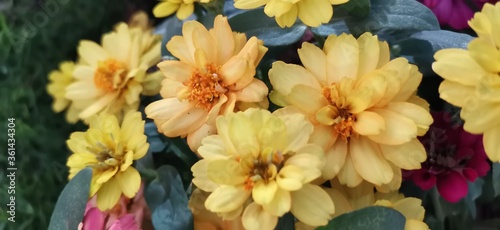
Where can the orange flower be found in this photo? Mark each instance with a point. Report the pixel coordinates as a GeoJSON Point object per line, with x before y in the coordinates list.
{"type": "Point", "coordinates": [214, 75]}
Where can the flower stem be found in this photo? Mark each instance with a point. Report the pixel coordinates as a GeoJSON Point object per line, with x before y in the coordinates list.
{"type": "Point", "coordinates": [437, 204]}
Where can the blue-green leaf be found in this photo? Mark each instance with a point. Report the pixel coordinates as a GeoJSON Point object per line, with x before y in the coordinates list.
{"type": "Point", "coordinates": [386, 17]}
{"type": "Point", "coordinates": [70, 206]}
{"type": "Point", "coordinates": [372, 218]}
{"type": "Point", "coordinates": [172, 26]}
{"type": "Point", "coordinates": [170, 209]}
{"type": "Point", "coordinates": [256, 23]}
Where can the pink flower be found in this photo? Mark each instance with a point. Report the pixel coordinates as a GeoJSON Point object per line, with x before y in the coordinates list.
{"type": "Point", "coordinates": [454, 13]}
{"type": "Point", "coordinates": [454, 157]}
{"type": "Point", "coordinates": [126, 215]}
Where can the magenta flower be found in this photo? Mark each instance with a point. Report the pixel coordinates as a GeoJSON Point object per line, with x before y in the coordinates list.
{"type": "Point", "coordinates": [126, 215]}
{"type": "Point", "coordinates": [454, 13]}
{"type": "Point", "coordinates": [454, 157]}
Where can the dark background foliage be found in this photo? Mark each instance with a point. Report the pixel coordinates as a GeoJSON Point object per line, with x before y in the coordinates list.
{"type": "Point", "coordinates": [35, 36]}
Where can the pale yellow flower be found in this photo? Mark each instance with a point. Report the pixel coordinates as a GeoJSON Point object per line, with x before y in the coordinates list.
{"type": "Point", "coordinates": [261, 166]}
{"type": "Point", "coordinates": [472, 79]}
{"type": "Point", "coordinates": [109, 149]}
{"type": "Point", "coordinates": [351, 199]}
{"type": "Point", "coordinates": [184, 8]}
{"type": "Point", "coordinates": [59, 80]}
{"type": "Point", "coordinates": [111, 78]}
{"type": "Point", "coordinates": [214, 76]}
{"type": "Point", "coordinates": [311, 12]}
{"type": "Point", "coordinates": [362, 104]}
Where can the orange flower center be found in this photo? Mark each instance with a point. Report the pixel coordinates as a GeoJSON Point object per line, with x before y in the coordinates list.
{"type": "Point", "coordinates": [265, 168]}
{"type": "Point", "coordinates": [206, 86]}
{"type": "Point", "coordinates": [110, 75]}
{"type": "Point", "coordinates": [337, 113]}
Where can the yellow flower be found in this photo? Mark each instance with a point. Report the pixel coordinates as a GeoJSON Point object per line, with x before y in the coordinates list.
{"type": "Point", "coordinates": [59, 81]}
{"type": "Point", "coordinates": [206, 220]}
{"type": "Point", "coordinates": [472, 79]}
{"type": "Point", "coordinates": [351, 199]}
{"type": "Point", "coordinates": [260, 164]}
{"type": "Point", "coordinates": [362, 104]}
{"type": "Point", "coordinates": [109, 149]}
{"type": "Point", "coordinates": [184, 8]}
{"type": "Point", "coordinates": [311, 12]}
{"type": "Point", "coordinates": [112, 77]}
{"type": "Point", "coordinates": [214, 75]}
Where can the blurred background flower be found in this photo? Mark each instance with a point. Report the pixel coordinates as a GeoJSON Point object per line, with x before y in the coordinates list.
{"type": "Point", "coordinates": [455, 13]}
{"type": "Point", "coordinates": [454, 157]}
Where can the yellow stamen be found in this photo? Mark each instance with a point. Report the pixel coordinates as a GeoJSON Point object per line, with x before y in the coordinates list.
{"type": "Point", "coordinates": [109, 75]}
{"type": "Point", "coordinates": [206, 87]}
{"type": "Point", "coordinates": [337, 113]}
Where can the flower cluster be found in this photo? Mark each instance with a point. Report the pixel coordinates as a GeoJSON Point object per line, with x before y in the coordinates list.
{"type": "Point", "coordinates": [109, 77]}
{"type": "Point", "coordinates": [350, 128]}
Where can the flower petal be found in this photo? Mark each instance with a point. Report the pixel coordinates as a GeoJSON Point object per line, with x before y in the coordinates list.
{"type": "Point", "coordinates": [452, 186]}
{"type": "Point", "coordinates": [312, 205]}
{"type": "Point", "coordinates": [226, 198]}
{"type": "Point", "coordinates": [255, 218]}
{"type": "Point", "coordinates": [369, 161]}
{"type": "Point", "coordinates": [284, 77]}
{"type": "Point", "coordinates": [263, 193]}
{"type": "Point", "coordinates": [407, 156]}
{"type": "Point", "coordinates": [91, 52]}
{"type": "Point", "coordinates": [108, 195]}
{"type": "Point", "coordinates": [398, 128]}
{"type": "Point", "coordinates": [129, 181]}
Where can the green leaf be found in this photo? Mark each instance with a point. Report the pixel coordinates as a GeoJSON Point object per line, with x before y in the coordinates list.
{"type": "Point", "coordinates": [359, 8]}
{"type": "Point", "coordinates": [496, 178]}
{"type": "Point", "coordinates": [373, 218]}
{"type": "Point", "coordinates": [70, 206]}
{"type": "Point", "coordinates": [170, 209]}
{"type": "Point", "coordinates": [386, 17]}
{"type": "Point", "coordinates": [256, 23]}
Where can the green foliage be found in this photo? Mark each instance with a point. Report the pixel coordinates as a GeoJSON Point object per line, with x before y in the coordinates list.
{"type": "Point", "coordinates": [168, 201]}
{"type": "Point", "coordinates": [70, 206]}
{"type": "Point", "coordinates": [35, 39]}
{"type": "Point", "coordinates": [373, 218]}
{"type": "Point", "coordinates": [386, 17]}
{"type": "Point", "coordinates": [359, 8]}
{"type": "Point", "coordinates": [257, 23]}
